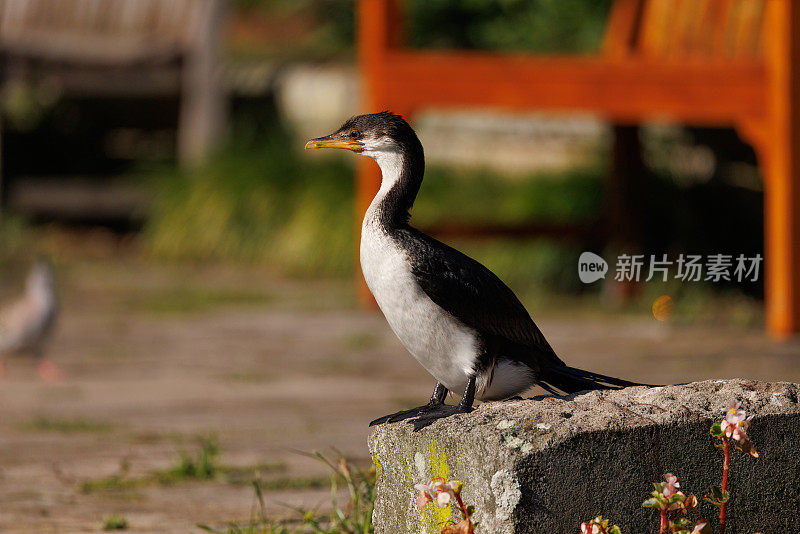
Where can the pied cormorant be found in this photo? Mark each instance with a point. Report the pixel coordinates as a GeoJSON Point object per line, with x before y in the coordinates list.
{"type": "Point", "coordinates": [464, 325]}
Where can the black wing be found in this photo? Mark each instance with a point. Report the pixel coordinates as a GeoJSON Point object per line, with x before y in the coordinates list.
{"type": "Point", "coordinates": [474, 295]}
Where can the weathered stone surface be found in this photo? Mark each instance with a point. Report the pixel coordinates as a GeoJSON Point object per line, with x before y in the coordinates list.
{"type": "Point", "coordinates": [546, 464]}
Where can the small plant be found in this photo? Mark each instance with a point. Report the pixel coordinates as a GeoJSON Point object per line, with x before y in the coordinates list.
{"type": "Point", "coordinates": [598, 525]}
{"type": "Point", "coordinates": [734, 426]}
{"type": "Point", "coordinates": [355, 517]}
{"type": "Point", "coordinates": [673, 506]}
{"type": "Point", "coordinates": [259, 523]}
{"type": "Point", "coordinates": [204, 466]}
{"type": "Point", "coordinates": [115, 522]}
{"type": "Point", "coordinates": [443, 493]}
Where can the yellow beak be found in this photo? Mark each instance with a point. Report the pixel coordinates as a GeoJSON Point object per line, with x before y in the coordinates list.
{"type": "Point", "coordinates": [330, 142]}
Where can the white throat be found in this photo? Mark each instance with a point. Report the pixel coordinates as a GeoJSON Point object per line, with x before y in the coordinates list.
{"type": "Point", "coordinates": [391, 164]}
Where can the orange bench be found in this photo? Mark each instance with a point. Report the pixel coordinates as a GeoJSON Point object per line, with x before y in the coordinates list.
{"type": "Point", "coordinates": [701, 62]}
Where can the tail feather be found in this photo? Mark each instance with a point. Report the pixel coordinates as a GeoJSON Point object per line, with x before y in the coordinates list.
{"type": "Point", "coordinates": [571, 380]}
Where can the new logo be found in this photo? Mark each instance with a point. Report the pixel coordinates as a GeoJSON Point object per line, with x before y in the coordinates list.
{"type": "Point", "coordinates": [591, 267]}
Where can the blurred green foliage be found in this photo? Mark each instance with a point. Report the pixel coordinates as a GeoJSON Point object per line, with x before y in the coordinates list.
{"type": "Point", "coordinates": [13, 238]}
{"type": "Point", "coordinates": [467, 195]}
{"type": "Point", "coordinates": [509, 25]}
{"type": "Point", "coordinates": [257, 202]}
{"type": "Point", "coordinates": [264, 202]}
{"type": "Point", "coordinates": [505, 25]}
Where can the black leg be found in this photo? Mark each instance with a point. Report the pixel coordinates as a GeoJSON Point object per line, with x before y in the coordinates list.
{"type": "Point", "coordinates": [469, 395]}
{"type": "Point", "coordinates": [439, 394]}
{"type": "Point", "coordinates": [443, 410]}
{"type": "Point", "coordinates": [437, 400]}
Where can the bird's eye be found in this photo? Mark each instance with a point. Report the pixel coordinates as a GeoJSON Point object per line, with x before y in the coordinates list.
{"type": "Point", "coordinates": [355, 134]}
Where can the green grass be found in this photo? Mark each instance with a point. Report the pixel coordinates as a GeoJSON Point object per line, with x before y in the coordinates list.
{"type": "Point", "coordinates": [115, 522]}
{"type": "Point", "coordinates": [186, 300]}
{"type": "Point", "coordinates": [203, 465]}
{"type": "Point", "coordinates": [288, 483]}
{"type": "Point", "coordinates": [352, 517]}
{"type": "Point", "coordinates": [44, 423]}
{"type": "Point", "coordinates": [242, 475]}
{"type": "Point", "coordinates": [112, 484]}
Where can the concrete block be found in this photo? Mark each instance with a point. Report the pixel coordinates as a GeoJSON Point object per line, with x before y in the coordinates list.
{"type": "Point", "coordinates": [549, 463]}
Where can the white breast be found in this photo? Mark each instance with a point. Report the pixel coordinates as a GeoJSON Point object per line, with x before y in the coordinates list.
{"type": "Point", "coordinates": [444, 346]}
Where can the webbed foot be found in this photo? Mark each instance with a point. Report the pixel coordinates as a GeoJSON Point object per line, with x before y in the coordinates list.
{"type": "Point", "coordinates": [440, 412]}
{"type": "Point", "coordinates": [406, 414]}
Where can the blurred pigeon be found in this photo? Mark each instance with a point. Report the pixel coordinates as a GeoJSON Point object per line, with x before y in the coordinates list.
{"type": "Point", "coordinates": [27, 323]}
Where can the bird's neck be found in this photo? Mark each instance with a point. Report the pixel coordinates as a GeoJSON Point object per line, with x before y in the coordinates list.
{"type": "Point", "coordinates": [401, 177]}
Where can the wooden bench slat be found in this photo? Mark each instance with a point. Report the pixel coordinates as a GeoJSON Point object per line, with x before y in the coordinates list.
{"type": "Point", "coordinates": [622, 90]}
{"type": "Point", "coordinates": [686, 30]}
{"type": "Point", "coordinates": [748, 32]}
{"type": "Point", "coordinates": [173, 21]}
{"type": "Point", "coordinates": [622, 28]}
{"type": "Point", "coordinates": [658, 18]}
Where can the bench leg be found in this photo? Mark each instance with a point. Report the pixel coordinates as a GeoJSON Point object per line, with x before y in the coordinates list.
{"type": "Point", "coordinates": [203, 107]}
{"type": "Point", "coordinates": [623, 209]}
{"type": "Point", "coordinates": [782, 238]}
{"type": "Point", "coordinates": [780, 152]}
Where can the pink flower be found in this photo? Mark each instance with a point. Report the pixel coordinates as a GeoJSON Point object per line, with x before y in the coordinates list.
{"type": "Point", "coordinates": [427, 493]}
{"type": "Point", "coordinates": [740, 430]}
{"type": "Point", "coordinates": [422, 499]}
{"type": "Point", "coordinates": [736, 422]}
{"type": "Point", "coordinates": [670, 489]}
{"type": "Point", "coordinates": [437, 490]}
{"type": "Point", "coordinates": [590, 528]}
{"type": "Point", "coordinates": [670, 486]}
{"type": "Point", "coordinates": [735, 414]}
{"type": "Point", "coordinates": [735, 426]}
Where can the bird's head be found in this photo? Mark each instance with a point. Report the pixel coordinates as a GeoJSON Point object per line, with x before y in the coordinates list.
{"type": "Point", "coordinates": [374, 135]}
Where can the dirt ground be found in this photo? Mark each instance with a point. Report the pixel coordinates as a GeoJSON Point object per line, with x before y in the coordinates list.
{"type": "Point", "coordinates": [155, 356]}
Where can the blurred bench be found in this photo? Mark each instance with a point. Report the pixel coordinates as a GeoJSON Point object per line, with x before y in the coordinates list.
{"type": "Point", "coordinates": [123, 48]}
{"type": "Point", "coordinates": [701, 62]}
